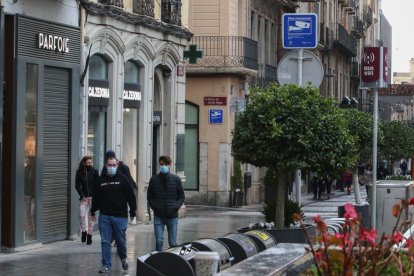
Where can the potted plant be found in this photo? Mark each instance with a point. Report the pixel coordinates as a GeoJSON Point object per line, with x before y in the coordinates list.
{"type": "Point", "coordinates": [237, 185]}
{"type": "Point", "coordinates": [290, 127]}
{"type": "Point", "coordinates": [291, 232]}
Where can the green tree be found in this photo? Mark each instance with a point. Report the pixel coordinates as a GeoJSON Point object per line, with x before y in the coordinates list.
{"type": "Point", "coordinates": [397, 141]}
{"type": "Point", "coordinates": [290, 127]}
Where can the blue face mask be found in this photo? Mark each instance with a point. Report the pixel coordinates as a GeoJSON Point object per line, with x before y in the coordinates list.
{"type": "Point", "coordinates": [111, 171]}
{"type": "Point", "coordinates": [164, 169]}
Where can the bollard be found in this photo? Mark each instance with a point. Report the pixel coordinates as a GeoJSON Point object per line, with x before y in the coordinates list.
{"type": "Point", "coordinates": [206, 263]}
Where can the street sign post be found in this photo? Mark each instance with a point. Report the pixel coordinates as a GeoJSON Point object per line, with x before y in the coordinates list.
{"type": "Point", "coordinates": [300, 31]}
{"type": "Point", "coordinates": [374, 67]}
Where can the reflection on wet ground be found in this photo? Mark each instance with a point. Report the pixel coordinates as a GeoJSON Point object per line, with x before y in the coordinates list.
{"type": "Point", "coordinates": [75, 258]}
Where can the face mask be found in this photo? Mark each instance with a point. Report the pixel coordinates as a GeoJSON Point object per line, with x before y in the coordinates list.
{"type": "Point", "coordinates": [164, 169]}
{"type": "Point", "coordinates": [111, 171]}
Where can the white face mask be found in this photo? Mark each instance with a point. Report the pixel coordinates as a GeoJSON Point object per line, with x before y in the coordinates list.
{"type": "Point", "coordinates": [111, 171]}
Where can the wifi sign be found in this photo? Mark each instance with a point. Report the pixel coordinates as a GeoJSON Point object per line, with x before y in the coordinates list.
{"type": "Point", "coordinates": [374, 67]}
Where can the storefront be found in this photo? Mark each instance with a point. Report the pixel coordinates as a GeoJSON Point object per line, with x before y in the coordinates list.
{"type": "Point", "coordinates": [41, 117]}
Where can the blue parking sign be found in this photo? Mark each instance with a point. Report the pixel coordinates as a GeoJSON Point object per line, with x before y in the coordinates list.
{"type": "Point", "coordinates": [215, 116]}
{"type": "Point", "coordinates": [300, 30]}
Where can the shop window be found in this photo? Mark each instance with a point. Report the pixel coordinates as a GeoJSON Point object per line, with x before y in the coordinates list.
{"type": "Point", "coordinates": [191, 152]}
{"type": "Point", "coordinates": [99, 95]}
{"type": "Point", "coordinates": [30, 152]}
{"type": "Point", "coordinates": [132, 99]}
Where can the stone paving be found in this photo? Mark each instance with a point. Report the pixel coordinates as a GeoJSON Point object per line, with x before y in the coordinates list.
{"type": "Point", "coordinates": [74, 258]}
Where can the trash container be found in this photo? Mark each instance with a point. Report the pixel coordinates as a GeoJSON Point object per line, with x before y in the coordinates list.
{"type": "Point", "coordinates": [240, 246]}
{"type": "Point", "coordinates": [214, 245]}
{"type": "Point", "coordinates": [176, 261]}
{"type": "Point", "coordinates": [238, 197]}
{"type": "Point", "coordinates": [262, 239]}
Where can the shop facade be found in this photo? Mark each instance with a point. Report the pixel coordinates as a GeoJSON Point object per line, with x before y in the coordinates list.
{"type": "Point", "coordinates": [40, 128]}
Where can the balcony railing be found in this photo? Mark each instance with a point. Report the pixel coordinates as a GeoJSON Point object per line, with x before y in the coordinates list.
{"type": "Point", "coordinates": [116, 3]}
{"type": "Point", "coordinates": [344, 42]}
{"type": "Point", "coordinates": [144, 7]}
{"type": "Point", "coordinates": [171, 11]}
{"type": "Point", "coordinates": [226, 51]}
{"type": "Point", "coordinates": [357, 27]}
{"type": "Point", "coordinates": [367, 15]}
{"type": "Point", "coordinates": [266, 74]}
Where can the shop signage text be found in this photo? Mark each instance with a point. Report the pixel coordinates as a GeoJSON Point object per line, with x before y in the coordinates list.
{"type": "Point", "coordinates": [132, 95]}
{"type": "Point", "coordinates": [53, 43]}
{"type": "Point", "coordinates": [374, 67]}
{"type": "Point", "coordinates": [98, 92]}
{"type": "Point", "coordinates": [215, 101]}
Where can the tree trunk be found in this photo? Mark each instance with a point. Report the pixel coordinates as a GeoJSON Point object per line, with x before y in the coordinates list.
{"type": "Point", "coordinates": [355, 183]}
{"type": "Point", "coordinates": [280, 198]}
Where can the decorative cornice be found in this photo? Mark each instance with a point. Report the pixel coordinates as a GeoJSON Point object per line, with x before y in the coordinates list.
{"type": "Point", "coordinates": [136, 19]}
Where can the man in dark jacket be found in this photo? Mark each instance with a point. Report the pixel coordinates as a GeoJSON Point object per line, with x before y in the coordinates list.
{"type": "Point", "coordinates": [112, 196]}
{"type": "Point", "coordinates": [165, 196]}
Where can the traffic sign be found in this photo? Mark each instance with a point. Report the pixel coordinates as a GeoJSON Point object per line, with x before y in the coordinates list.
{"type": "Point", "coordinates": [215, 116]}
{"type": "Point", "coordinates": [300, 30]}
{"type": "Point", "coordinates": [312, 69]}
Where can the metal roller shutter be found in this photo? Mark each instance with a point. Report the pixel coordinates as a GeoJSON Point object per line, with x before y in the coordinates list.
{"type": "Point", "coordinates": [56, 154]}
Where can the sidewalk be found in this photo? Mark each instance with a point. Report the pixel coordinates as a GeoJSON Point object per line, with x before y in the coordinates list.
{"type": "Point", "coordinates": [74, 258]}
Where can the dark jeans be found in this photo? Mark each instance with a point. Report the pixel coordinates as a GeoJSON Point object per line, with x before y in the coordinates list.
{"type": "Point", "coordinates": [159, 225]}
{"type": "Point", "coordinates": [317, 188]}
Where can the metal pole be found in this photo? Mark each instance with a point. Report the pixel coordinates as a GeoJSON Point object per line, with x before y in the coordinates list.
{"type": "Point", "coordinates": [374, 164]}
{"type": "Point", "coordinates": [298, 178]}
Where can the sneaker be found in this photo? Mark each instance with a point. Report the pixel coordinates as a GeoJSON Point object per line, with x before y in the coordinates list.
{"type": "Point", "coordinates": [314, 197]}
{"type": "Point", "coordinates": [104, 270]}
{"type": "Point", "coordinates": [134, 221]}
{"type": "Point", "coordinates": [124, 263]}
{"type": "Point", "coordinates": [83, 239]}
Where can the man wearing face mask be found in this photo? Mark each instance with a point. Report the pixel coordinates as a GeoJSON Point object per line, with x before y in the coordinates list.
{"type": "Point", "coordinates": [112, 196]}
{"type": "Point", "coordinates": [165, 196]}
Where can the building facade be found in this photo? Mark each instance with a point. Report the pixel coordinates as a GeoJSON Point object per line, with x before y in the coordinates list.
{"type": "Point", "coordinates": [40, 51]}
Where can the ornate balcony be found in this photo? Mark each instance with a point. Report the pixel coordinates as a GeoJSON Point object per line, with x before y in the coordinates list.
{"type": "Point", "coordinates": [345, 42]}
{"type": "Point", "coordinates": [143, 7]}
{"type": "Point", "coordinates": [357, 27]}
{"type": "Point", "coordinates": [367, 16]}
{"type": "Point", "coordinates": [116, 3]}
{"type": "Point", "coordinates": [171, 11]}
{"type": "Point", "coordinates": [222, 52]}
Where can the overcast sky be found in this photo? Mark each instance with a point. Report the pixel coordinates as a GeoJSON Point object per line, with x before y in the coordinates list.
{"type": "Point", "coordinates": [400, 14]}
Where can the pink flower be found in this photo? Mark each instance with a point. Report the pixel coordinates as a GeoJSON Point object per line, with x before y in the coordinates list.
{"type": "Point", "coordinates": [397, 237]}
{"type": "Point", "coordinates": [369, 236]}
{"type": "Point", "coordinates": [350, 212]}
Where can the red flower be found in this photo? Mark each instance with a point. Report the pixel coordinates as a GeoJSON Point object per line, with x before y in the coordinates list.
{"type": "Point", "coordinates": [396, 210]}
{"type": "Point", "coordinates": [318, 255]}
{"type": "Point", "coordinates": [350, 212]}
{"type": "Point", "coordinates": [397, 237]}
{"type": "Point", "coordinates": [320, 224]}
{"type": "Point", "coordinates": [412, 201]}
{"type": "Point", "coordinates": [369, 236]}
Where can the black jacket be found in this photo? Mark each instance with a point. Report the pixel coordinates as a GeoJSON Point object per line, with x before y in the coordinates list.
{"type": "Point", "coordinates": [85, 181]}
{"type": "Point", "coordinates": [124, 169]}
{"type": "Point", "coordinates": [165, 195]}
{"type": "Point", "coordinates": [112, 195]}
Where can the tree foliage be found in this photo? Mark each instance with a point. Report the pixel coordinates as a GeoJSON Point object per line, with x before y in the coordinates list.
{"type": "Point", "coordinates": [360, 126]}
{"type": "Point", "coordinates": [397, 141]}
{"type": "Point", "coordinates": [290, 127]}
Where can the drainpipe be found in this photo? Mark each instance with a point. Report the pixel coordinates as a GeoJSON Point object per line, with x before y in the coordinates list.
{"type": "Point", "coordinates": [2, 4]}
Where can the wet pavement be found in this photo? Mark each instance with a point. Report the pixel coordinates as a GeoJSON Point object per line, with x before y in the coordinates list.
{"type": "Point", "coordinates": [74, 258]}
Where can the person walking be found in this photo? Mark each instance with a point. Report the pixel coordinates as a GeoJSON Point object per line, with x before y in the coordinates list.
{"type": "Point", "coordinates": [85, 181]}
{"type": "Point", "coordinates": [112, 196]}
{"type": "Point", "coordinates": [124, 169]}
{"type": "Point", "coordinates": [317, 185]}
{"type": "Point", "coordinates": [165, 196]}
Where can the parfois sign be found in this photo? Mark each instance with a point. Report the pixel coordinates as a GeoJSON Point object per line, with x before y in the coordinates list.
{"type": "Point", "coordinates": [374, 67]}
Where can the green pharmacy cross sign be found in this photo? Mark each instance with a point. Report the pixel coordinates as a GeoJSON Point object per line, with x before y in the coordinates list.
{"type": "Point", "coordinates": [193, 54]}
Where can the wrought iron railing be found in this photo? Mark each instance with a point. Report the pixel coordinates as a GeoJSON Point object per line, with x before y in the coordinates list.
{"type": "Point", "coordinates": [143, 7]}
{"type": "Point", "coordinates": [357, 27]}
{"type": "Point", "coordinates": [344, 42]}
{"type": "Point", "coordinates": [226, 51]}
{"type": "Point", "coordinates": [171, 11]}
{"type": "Point", "coordinates": [367, 15]}
{"type": "Point", "coordinates": [116, 3]}
{"type": "Point", "coordinates": [266, 74]}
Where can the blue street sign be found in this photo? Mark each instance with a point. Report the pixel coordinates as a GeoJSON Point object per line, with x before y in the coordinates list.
{"type": "Point", "coordinates": [300, 30]}
{"type": "Point", "coordinates": [216, 116]}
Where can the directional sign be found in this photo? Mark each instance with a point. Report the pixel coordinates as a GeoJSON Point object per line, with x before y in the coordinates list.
{"type": "Point", "coordinates": [300, 30]}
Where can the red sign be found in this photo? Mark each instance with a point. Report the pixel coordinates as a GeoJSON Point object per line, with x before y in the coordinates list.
{"type": "Point", "coordinates": [371, 69]}
{"type": "Point", "coordinates": [215, 100]}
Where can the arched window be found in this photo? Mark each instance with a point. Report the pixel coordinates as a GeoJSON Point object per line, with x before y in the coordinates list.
{"type": "Point", "coordinates": [98, 68]}
{"type": "Point", "coordinates": [131, 74]}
